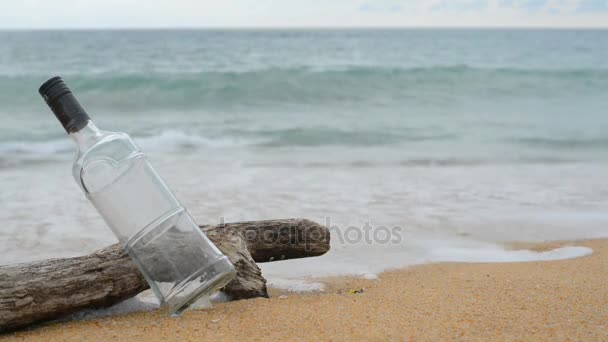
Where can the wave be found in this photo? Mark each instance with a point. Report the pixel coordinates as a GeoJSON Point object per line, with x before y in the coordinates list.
{"type": "Point", "coordinates": [13, 153]}
{"type": "Point", "coordinates": [564, 143]}
{"type": "Point", "coordinates": [416, 162]}
{"type": "Point", "coordinates": [309, 86]}
{"type": "Point", "coordinates": [174, 139]}
{"type": "Point", "coordinates": [170, 140]}
{"type": "Point", "coordinates": [312, 137]}
{"type": "Point", "coordinates": [36, 147]}
{"type": "Point", "coordinates": [165, 141]}
{"type": "Point", "coordinates": [177, 140]}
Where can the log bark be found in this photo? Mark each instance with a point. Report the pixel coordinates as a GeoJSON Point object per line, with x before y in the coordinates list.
{"type": "Point", "coordinates": [273, 240]}
{"type": "Point", "coordinates": [46, 290]}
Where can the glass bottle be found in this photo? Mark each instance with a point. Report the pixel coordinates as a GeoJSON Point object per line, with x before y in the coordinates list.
{"type": "Point", "coordinates": [176, 258]}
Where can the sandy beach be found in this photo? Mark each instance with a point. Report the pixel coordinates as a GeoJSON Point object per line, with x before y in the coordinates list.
{"type": "Point", "coordinates": [558, 300]}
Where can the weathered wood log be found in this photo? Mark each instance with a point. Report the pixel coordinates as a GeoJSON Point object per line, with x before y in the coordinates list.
{"type": "Point", "coordinates": [274, 240]}
{"type": "Point", "coordinates": [46, 290]}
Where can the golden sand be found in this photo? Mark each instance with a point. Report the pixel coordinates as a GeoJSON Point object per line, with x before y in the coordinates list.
{"type": "Point", "coordinates": [560, 300]}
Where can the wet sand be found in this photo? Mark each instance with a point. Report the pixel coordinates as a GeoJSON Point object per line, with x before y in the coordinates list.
{"type": "Point", "coordinates": [557, 300]}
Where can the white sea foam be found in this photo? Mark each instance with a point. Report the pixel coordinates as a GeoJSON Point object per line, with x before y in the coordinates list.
{"type": "Point", "coordinates": [300, 274]}
{"type": "Point", "coordinates": [502, 255]}
{"type": "Point", "coordinates": [170, 140]}
{"type": "Point", "coordinates": [296, 285]}
{"type": "Point", "coordinates": [17, 153]}
{"type": "Point", "coordinates": [145, 301]}
{"type": "Point", "coordinates": [164, 141]}
{"type": "Point", "coordinates": [42, 148]}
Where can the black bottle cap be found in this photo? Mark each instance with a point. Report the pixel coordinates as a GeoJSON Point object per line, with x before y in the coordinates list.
{"type": "Point", "coordinates": [63, 103]}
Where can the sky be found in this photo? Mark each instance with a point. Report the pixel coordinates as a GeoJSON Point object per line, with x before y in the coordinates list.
{"type": "Point", "coordinates": [39, 14]}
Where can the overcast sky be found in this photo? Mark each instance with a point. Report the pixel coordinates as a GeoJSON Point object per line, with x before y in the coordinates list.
{"type": "Point", "coordinates": [300, 13]}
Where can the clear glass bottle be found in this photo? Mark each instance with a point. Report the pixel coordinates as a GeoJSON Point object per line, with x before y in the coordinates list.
{"type": "Point", "coordinates": [179, 262]}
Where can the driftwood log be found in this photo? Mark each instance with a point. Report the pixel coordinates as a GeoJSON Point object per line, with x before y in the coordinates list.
{"type": "Point", "coordinates": [46, 290]}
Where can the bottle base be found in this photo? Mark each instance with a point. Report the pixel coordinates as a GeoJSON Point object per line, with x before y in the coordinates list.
{"type": "Point", "coordinates": [199, 285]}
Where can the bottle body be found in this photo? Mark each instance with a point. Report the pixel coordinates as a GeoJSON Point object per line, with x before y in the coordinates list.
{"type": "Point", "coordinates": [177, 259]}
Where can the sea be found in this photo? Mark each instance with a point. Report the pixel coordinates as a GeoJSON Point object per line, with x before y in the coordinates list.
{"type": "Point", "coordinates": [412, 145]}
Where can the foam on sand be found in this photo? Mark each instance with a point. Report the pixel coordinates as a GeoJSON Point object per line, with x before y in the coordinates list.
{"type": "Point", "coordinates": [501, 255]}
{"type": "Point", "coordinates": [298, 275]}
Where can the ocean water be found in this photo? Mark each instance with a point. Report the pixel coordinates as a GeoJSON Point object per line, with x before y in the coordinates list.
{"type": "Point", "coordinates": [440, 145]}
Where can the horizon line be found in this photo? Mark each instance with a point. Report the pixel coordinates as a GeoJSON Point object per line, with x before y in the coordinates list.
{"type": "Point", "coordinates": [261, 28]}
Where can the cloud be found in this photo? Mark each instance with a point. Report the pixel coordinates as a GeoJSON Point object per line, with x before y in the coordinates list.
{"type": "Point", "coordinates": [482, 6]}
{"type": "Point", "coordinates": [381, 6]}
{"type": "Point", "coordinates": [460, 5]}
{"type": "Point", "coordinates": [528, 5]}
{"type": "Point", "coordinates": [302, 13]}
{"type": "Point", "coordinates": [593, 6]}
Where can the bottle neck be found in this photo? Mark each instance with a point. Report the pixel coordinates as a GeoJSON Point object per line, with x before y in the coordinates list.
{"type": "Point", "coordinates": [87, 136]}
{"type": "Point", "coordinates": [63, 103]}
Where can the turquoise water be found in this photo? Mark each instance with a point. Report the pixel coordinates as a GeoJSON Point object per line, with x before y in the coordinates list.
{"type": "Point", "coordinates": [521, 94]}
{"type": "Point", "coordinates": [464, 139]}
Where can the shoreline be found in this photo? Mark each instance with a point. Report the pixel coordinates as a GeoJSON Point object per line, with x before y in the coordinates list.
{"type": "Point", "coordinates": [540, 300]}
